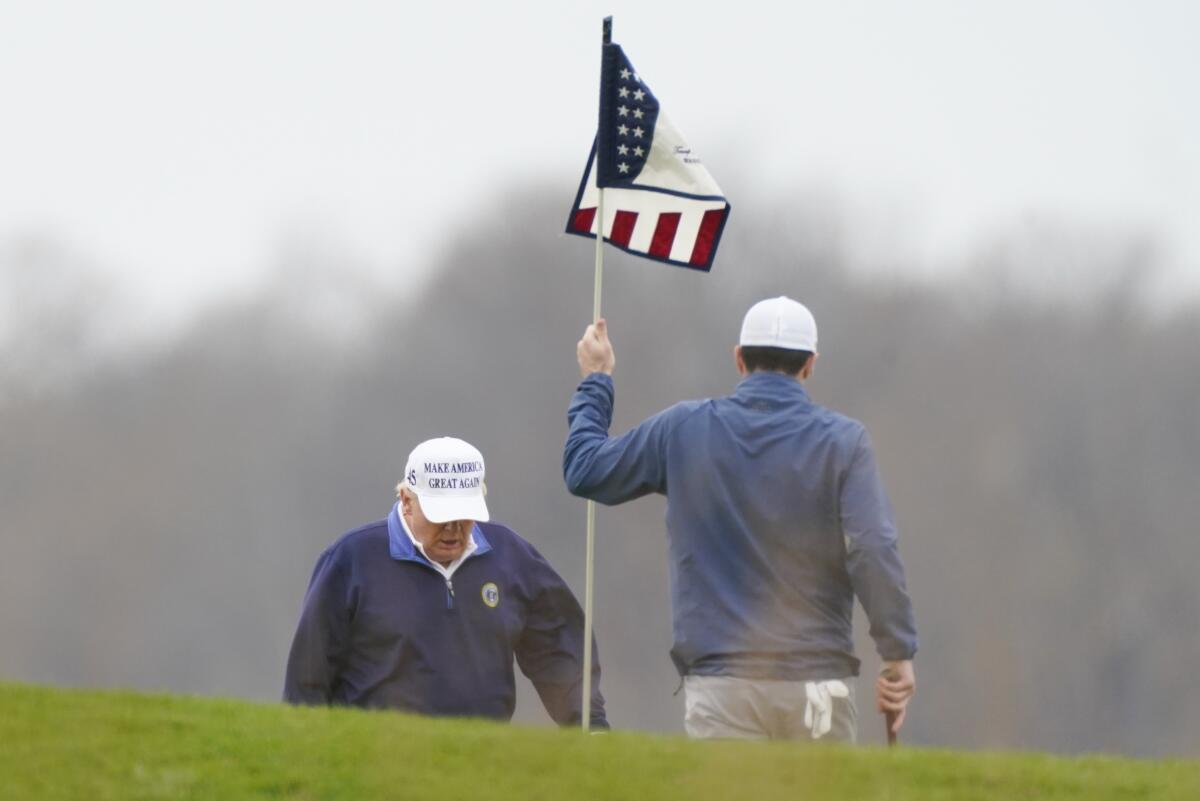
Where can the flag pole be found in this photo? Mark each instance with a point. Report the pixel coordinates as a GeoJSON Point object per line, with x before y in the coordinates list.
{"type": "Point", "coordinates": [589, 569]}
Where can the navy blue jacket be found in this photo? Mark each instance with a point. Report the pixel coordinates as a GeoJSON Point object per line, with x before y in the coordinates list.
{"type": "Point", "coordinates": [381, 628]}
{"type": "Point", "coordinates": [776, 519]}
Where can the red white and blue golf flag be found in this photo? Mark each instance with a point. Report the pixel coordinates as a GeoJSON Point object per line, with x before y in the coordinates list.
{"type": "Point", "coordinates": [659, 200]}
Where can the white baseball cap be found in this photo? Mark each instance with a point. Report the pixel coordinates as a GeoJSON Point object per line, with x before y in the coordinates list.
{"type": "Point", "coordinates": [447, 475]}
{"type": "Point", "coordinates": [779, 323]}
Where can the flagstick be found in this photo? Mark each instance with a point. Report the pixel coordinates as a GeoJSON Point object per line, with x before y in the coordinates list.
{"type": "Point", "coordinates": [588, 589]}
{"type": "Point", "coordinates": [591, 505]}
{"type": "Point", "coordinates": [599, 255]}
{"type": "Point", "coordinates": [589, 570]}
{"type": "Point", "coordinates": [587, 619]}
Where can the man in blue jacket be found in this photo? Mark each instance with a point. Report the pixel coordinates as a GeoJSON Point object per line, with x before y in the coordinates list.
{"type": "Point", "coordinates": [425, 610]}
{"type": "Point", "coordinates": [776, 520]}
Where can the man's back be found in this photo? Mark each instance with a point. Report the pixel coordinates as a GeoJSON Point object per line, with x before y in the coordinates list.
{"type": "Point", "coordinates": [755, 534]}
{"type": "Point", "coordinates": [776, 518]}
{"type": "Point", "coordinates": [765, 492]}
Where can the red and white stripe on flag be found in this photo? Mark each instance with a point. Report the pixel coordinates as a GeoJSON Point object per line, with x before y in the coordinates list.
{"type": "Point", "coordinates": [658, 224]}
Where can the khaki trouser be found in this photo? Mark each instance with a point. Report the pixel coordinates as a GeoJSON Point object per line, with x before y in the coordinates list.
{"type": "Point", "coordinates": [759, 709]}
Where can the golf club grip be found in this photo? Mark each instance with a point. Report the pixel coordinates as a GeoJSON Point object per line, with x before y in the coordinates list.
{"type": "Point", "coordinates": [889, 718]}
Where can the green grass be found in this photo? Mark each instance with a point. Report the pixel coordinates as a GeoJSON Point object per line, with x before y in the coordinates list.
{"type": "Point", "coordinates": [67, 744]}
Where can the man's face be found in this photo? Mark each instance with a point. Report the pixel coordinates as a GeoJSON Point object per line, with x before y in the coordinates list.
{"type": "Point", "coordinates": [443, 542]}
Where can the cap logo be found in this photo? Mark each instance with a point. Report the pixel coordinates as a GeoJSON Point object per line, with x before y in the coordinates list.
{"type": "Point", "coordinates": [450, 475]}
{"type": "Point", "coordinates": [490, 594]}
{"type": "Point", "coordinates": [412, 477]}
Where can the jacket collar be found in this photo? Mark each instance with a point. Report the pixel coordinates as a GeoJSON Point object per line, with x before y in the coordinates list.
{"type": "Point", "coordinates": [764, 385]}
{"type": "Point", "coordinates": [401, 547]}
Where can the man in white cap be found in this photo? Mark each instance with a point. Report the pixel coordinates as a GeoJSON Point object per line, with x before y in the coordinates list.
{"type": "Point", "coordinates": [776, 520]}
{"type": "Point", "coordinates": [425, 611]}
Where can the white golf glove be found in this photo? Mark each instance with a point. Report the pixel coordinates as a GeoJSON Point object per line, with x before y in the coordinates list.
{"type": "Point", "coordinates": [818, 712]}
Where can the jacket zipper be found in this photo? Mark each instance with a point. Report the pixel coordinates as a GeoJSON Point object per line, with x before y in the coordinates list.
{"type": "Point", "coordinates": [449, 594]}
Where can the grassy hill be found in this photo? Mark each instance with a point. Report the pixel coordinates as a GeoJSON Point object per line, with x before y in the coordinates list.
{"type": "Point", "coordinates": [66, 744]}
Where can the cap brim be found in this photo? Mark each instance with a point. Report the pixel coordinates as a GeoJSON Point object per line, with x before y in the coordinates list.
{"type": "Point", "coordinates": [443, 509]}
{"type": "Point", "coordinates": [773, 342]}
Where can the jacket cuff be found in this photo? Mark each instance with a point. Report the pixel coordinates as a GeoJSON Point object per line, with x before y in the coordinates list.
{"type": "Point", "coordinates": [601, 380]}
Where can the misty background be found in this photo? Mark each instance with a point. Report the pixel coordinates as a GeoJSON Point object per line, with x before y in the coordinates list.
{"type": "Point", "coordinates": [161, 509]}
{"type": "Point", "coordinates": [252, 252]}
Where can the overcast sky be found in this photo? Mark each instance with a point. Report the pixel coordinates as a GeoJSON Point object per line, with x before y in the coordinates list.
{"type": "Point", "coordinates": [177, 145]}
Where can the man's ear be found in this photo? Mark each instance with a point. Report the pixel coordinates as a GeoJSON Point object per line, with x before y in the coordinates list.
{"type": "Point", "coordinates": [739, 362]}
{"type": "Point", "coordinates": [807, 372]}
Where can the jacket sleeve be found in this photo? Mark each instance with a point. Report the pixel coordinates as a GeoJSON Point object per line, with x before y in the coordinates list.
{"type": "Point", "coordinates": [872, 556]}
{"type": "Point", "coordinates": [607, 469]}
{"type": "Point", "coordinates": [322, 636]}
{"type": "Point", "coordinates": [550, 649]}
